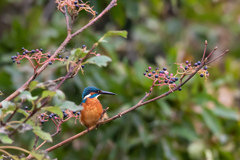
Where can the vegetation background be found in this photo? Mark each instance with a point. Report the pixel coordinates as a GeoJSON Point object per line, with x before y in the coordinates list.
{"type": "Point", "coordinates": [200, 122]}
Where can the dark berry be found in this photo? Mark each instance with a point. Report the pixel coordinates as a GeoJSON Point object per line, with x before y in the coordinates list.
{"type": "Point", "coordinates": [49, 55]}
{"type": "Point", "coordinates": [157, 68]}
{"type": "Point", "coordinates": [82, 66]}
{"type": "Point", "coordinates": [74, 112]}
{"type": "Point", "coordinates": [26, 107]}
{"type": "Point", "coordinates": [65, 115]}
{"type": "Point", "coordinates": [205, 68]}
{"type": "Point", "coordinates": [50, 116]}
{"type": "Point", "coordinates": [12, 57]}
{"type": "Point", "coordinates": [42, 121]}
{"type": "Point", "coordinates": [195, 64]}
{"type": "Point", "coordinates": [54, 114]}
{"type": "Point", "coordinates": [166, 81]}
{"type": "Point", "coordinates": [83, 46]}
{"type": "Point", "coordinates": [41, 49]}
{"type": "Point", "coordinates": [63, 111]}
{"type": "Point", "coordinates": [149, 75]}
{"type": "Point", "coordinates": [23, 48]}
{"type": "Point", "coordinates": [186, 62]}
{"type": "Point", "coordinates": [173, 79]}
{"type": "Point", "coordinates": [176, 79]}
{"type": "Point", "coordinates": [60, 56]}
{"type": "Point", "coordinates": [201, 75]}
{"type": "Point", "coordinates": [33, 51]}
{"type": "Point", "coordinates": [79, 60]}
{"type": "Point", "coordinates": [50, 63]}
{"type": "Point", "coordinates": [13, 61]}
{"type": "Point", "coordinates": [67, 57]}
{"type": "Point", "coordinates": [146, 70]}
{"type": "Point", "coordinates": [96, 13]}
{"type": "Point", "coordinates": [76, 6]}
{"type": "Point", "coordinates": [198, 62]}
{"type": "Point", "coordinates": [144, 74]}
{"type": "Point", "coordinates": [78, 113]}
{"type": "Point", "coordinates": [167, 77]}
{"type": "Point", "coordinates": [79, 1]}
{"type": "Point", "coordinates": [42, 115]}
{"type": "Point", "coordinates": [17, 53]}
{"type": "Point", "coordinates": [170, 82]}
{"type": "Point", "coordinates": [75, 2]}
{"type": "Point", "coordinates": [153, 72]}
{"type": "Point", "coordinates": [18, 62]}
{"type": "Point", "coordinates": [156, 76]}
{"type": "Point", "coordinates": [180, 89]}
{"type": "Point", "coordinates": [207, 72]}
{"type": "Point", "coordinates": [164, 68]}
{"type": "Point", "coordinates": [161, 72]}
{"type": "Point", "coordinates": [186, 68]}
{"type": "Point", "coordinates": [24, 53]}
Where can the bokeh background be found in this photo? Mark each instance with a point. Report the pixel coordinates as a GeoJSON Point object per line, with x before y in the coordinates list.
{"type": "Point", "coordinates": [200, 122]}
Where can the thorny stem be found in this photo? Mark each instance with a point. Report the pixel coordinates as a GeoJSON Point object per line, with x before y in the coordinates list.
{"type": "Point", "coordinates": [62, 46]}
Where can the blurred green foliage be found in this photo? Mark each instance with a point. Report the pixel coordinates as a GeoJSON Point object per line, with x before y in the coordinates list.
{"type": "Point", "coordinates": [200, 122]}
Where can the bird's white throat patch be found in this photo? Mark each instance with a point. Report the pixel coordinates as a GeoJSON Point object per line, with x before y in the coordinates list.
{"type": "Point", "coordinates": [89, 95]}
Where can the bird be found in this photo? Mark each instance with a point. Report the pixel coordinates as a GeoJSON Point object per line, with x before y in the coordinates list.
{"type": "Point", "coordinates": [92, 110]}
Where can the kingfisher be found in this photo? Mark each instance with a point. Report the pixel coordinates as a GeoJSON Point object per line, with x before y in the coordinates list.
{"type": "Point", "coordinates": [92, 110]}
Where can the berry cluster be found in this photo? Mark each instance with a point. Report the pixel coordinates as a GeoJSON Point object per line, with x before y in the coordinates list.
{"type": "Point", "coordinates": [163, 77]}
{"type": "Point", "coordinates": [38, 58]}
{"type": "Point", "coordinates": [67, 114]}
{"type": "Point", "coordinates": [74, 7]}
{"type": "Point", "coordinates": [188, 68]}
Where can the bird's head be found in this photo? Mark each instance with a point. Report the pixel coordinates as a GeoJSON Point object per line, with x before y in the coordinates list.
{"type": "Point", "coordinates": [93, 92]}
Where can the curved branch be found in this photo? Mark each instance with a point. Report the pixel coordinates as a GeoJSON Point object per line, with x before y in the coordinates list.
{"type": "Point", "coordinates": [62, 46]}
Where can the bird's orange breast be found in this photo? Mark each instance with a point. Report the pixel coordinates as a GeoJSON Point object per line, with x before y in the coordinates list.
{"type": "Point", "coordinates": [91, 112]}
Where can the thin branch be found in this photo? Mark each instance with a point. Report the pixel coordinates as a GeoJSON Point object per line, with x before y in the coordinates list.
{"type": "Point", "coordinates": [204, 52]}
{"type": "Point", "coordinates": [217, 57]}
{"type": "Point", "coordinates": [139, 104]}
{"type": "Point", "coordinates": [111, 5]}
{"type": "Point", "coordinates": [62, 46]}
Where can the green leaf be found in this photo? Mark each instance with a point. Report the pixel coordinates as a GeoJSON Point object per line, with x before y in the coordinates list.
{"type": "Point", "coordinates": [8, 104]}
{"type": "Point", "coordinates": [27, 95]}
{"type": "Point", "coordinates": [39, 155]}
{"type": "Point", "coordinates": [56, 110]}
{"type": "Point", "coordinates": [78, 53]}
{"type": "Point", "coordinates": [43, 135]}
{"type": "Point", "coordinates": [48, 94]}
{"type": "Point", "coordinates": [212, 121]}
{"type": "Point", "coordinates": [71, 106]}
{"type": "Point", "coordinates": [32, 85]}
{"type": "Point", "coordinates": [8, 107]}
{"type": "Point", "coordinates": [59, 94]}
{"type": "Point", "coordinates": [99, 60]}
{"type": "Point", "coordinates": [38, 131]}
{"type": "Point", "coordinates": [5, 139]}
{"type": "Point", "coordinates": [113, 33]}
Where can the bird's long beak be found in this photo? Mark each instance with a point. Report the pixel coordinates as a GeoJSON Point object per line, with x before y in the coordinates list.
{"type": "Point", "coordinates": [106, 92]}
